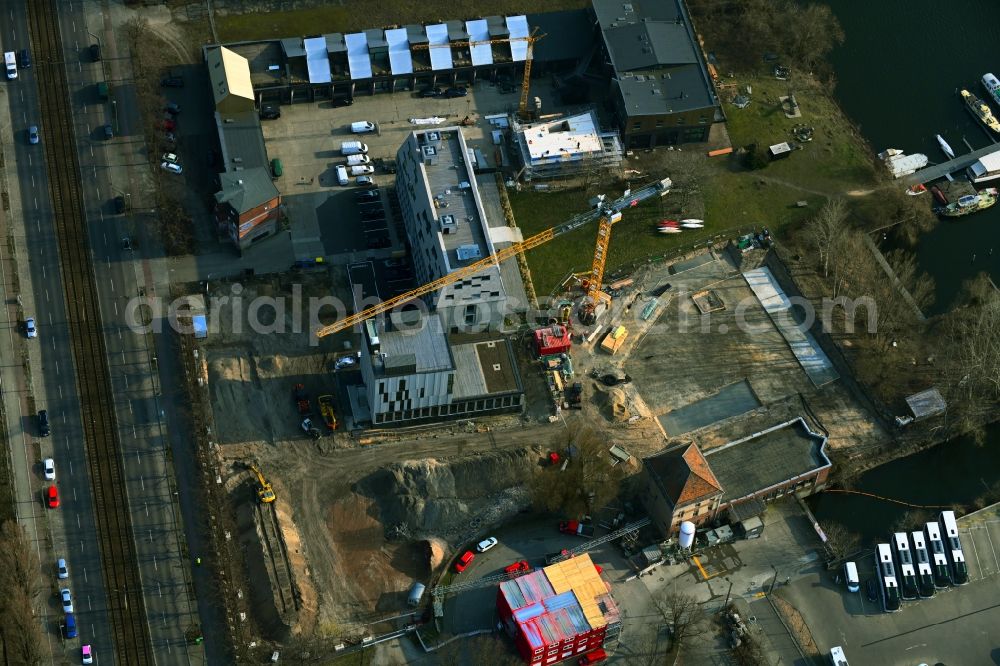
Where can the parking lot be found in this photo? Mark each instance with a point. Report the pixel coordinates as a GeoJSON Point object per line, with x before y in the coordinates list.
{"type": "Point", "coordinates": [960, 625]}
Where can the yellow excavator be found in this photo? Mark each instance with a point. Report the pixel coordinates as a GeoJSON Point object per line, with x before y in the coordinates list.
{"type": "Point", "coordinates": [264, 492]}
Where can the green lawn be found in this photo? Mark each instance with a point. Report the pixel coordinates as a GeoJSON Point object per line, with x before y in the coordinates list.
{"type": "Point", "coordinates": [359, 16]}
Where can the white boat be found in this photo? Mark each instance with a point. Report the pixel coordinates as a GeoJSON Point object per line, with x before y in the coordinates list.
{"type": "Point", "coordinates": [899, 164]}
{"type": "Point", "coordinates": [986, 168]}
{"type": "Point", "coordinates": [669, 230]}
{"type": "Point", "coordinates": [945, 147]}
{"type": "Point", "coordinates": [692, 224]}
{"type": "Point", "coordinates": [992, 85]}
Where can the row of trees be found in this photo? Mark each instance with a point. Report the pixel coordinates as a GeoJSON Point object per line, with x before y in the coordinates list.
{"type": "Point", "coordinates": [742, 30]}
{"type": "Point", "coordinates": [19, 586]}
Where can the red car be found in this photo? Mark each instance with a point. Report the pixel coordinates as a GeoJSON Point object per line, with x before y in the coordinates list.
{"type": "Point", "coordinates": [52, 497]}
{"type": "Point", "coordinates": [169, 125]}
{"type": "Point", "coordinates": [464, 561]}
{"type": "Point", "coordinates": [518, 567]}
{"type": "Point", "coordinates": [593, 657]}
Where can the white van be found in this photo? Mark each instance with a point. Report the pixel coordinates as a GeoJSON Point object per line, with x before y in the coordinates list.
{"type": "Point", "coordinates": [360, 158]}
{"type": "Point", "coordinates": [342, 175]}
{"type": "Point", "coordinates": [837, 656]}
{"type": "Point", "coordinates": [851, 576]}
{"type": "Point", "coordinates": [10, 60]}
{"type": "Point", "coordinates": [363, 127]}
{"type": "Point", "coordinates": [362, 170]}
{"type": "Point", "coordinates": [353, 148]}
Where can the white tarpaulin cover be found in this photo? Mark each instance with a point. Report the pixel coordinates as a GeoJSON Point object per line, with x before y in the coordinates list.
{"type": "Point", "coordinates": [427, 121]}
{"type": "Point", "coordinates": [399, 51]}
{"type": "Point", "coordinates": [440, 55]}
{"type": "Point", "coordinates": [317, 60]}
{"type": "Point", "coordinates": [479, 31]}
{"type": "Point", "coordinates": [518, 26]}
{"type": "Point", "coordinates": [358, 59]}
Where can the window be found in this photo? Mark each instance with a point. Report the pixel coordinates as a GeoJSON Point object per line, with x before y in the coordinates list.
{"type": "Point", "coordinates": [637, 125]}
{"type": "Point", "coordinates": [659, 124]}
{"type": "Point", "coordinates": [402, 384]}
{"type": "Point", "coordinates": [421, 393]}
{"type": "Point", "coordinates": [680, 120]}
{"type": "Point", "coordinates": [702, 119]}
{"type": "Point", "coordinates": [451, 384]}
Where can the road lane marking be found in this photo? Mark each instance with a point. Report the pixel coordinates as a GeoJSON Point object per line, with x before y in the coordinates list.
{"type": "Point", "coordinates": [79, 527]}
{"type": "Point", "coordinates": [115, 303]}
{"type": "Point", "coordinates": [74, 497]}
{"type": "Point", "coordinates": [46, 293]}
{"type": "Point", "coordinates": [112, 279]}
{"type": "Point", "coordinates": [57, 367]}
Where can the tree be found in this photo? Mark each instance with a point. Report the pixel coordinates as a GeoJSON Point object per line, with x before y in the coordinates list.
{"type": "Point", "coordinates": [682, 614]}
{"type": "Point", "coordinates": [826, 232]}
{"type": "Point", "coordinates": [840, 541]}
{"type": "Point", "coordinates": [22, 633]}
{"type": "Point", "coordinates": [589, 480]}
{"type": "Point", "coordinates": [18, 562]}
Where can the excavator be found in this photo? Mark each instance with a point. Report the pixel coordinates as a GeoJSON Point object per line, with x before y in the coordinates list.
{"type": "Point", "coordinates": [264, 492]}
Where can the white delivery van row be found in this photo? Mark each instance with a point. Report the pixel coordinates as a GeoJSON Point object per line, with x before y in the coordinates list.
{"type": "Point", "coordinates": [11, 62]}
{"type": "Point", "coordinates": [353, 148]}
{"type": "Point", "coordinates": [362, 170]}
{"type": "Point", "coordinates": [363, 127]}
{"type": "Point", "coordinates": [360, 158]}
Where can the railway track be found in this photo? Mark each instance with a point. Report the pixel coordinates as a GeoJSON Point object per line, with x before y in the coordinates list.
{"type": "Point", "coordinates": [126, 606]}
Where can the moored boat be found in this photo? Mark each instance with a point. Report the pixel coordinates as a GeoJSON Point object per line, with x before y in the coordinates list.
{"type": "Point", "coordinates": [984, 169]}
{"type": "Point", "coordinates": [979, 109]}
{"type": "Point", "coordinates": [900, 164]}
{"type": "Point", "coordinates": [939, 195]}
{"type": "Point", "coordinates": [970, 203]}
{"type": "Point", "coordinates": [945, 147]}
{"type": "Point", "coordinates": [669, 230]}
{"type": "Point", "coordinates": [992, 85]}
{"type": "Point", "coordinates": [914, 190]}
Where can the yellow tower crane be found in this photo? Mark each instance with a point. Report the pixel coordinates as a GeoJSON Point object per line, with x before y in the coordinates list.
{"type": "Point", "coordinates": [522, 109]}
{"type": "Point", "coordinates": [611, 211]}
{"type": "Point", "coordinates": [264, 492]}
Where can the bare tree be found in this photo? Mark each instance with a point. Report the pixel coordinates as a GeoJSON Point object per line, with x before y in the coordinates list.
{"type": "Point", "coordinates": [840, 541]}
{"type": "Point", "coordinates": [826, 231]}
{"type": "Point", "coordinates": [682, 614]}
{"type": "Point", "coordinates": [18, 562]}
{"type": "Point", "coordinates": [22, 633]}
{"type": "Point", "coordinates": [589, 480]}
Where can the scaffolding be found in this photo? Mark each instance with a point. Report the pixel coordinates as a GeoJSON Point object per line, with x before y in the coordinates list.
{"type": "Point", "coordinates": [565, 147]}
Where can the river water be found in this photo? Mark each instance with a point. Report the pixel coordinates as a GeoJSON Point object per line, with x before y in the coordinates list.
{"type": "Point", "coordinates": [898, 73]}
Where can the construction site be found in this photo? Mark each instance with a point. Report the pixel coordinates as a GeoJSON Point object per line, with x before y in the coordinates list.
{"type": "Point", "coordinates": [357, 455]}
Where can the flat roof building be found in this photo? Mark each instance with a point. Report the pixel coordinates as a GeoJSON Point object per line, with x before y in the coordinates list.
{"type": "Point", "coordinates": [415, 372]}
{"type": "Point", "coordinates": [660, 84]}
{"type": "Point", "coordinates": [566, 147]}
{"type": "Point", "coordinates": [447, 228]}
{"type": "Point", "coordinates": [559, 612]}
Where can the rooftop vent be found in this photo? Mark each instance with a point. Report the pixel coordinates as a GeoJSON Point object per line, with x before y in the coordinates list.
{"type": "Point", "coordinates": [496, 367]}
{"type": "Point", "coordinates": [434, 137]}
{"type": "Point", "coordinates": [469, 253]}
{"type": "Point", "coordinates": [448, 224]}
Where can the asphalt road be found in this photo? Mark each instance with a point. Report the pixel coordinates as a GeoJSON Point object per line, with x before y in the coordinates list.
{"type": "Point", "coordinates": [121, 276]}
{"type": "Point", "coordinates": [70, 529]}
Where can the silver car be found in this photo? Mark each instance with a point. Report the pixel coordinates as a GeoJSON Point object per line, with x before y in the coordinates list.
{"type": "Point", "coordinates": [171, 167]}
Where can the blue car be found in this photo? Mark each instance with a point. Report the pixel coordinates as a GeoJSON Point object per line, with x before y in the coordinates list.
{"type": "Point", "coordinates": [70, 626]}
{"type": "Point", "coordinates": [33, 134]}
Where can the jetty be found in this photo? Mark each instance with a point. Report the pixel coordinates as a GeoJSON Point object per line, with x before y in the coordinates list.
{"type": "Point", "coordinates": [930, 173]}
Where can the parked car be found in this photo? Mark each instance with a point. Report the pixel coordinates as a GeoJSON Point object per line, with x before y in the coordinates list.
{"type": "Point", "coordinates": [33, 135]}
{"type": "Point", "coordinates": [43, 423]}
{"type": "Point", "coordinates": [170, 138]}
{"type": "Point", "coordinates": [52, 497]}
{"type": "Point", "coordinates": [62, 573]}
{"type": "Point", "coordinates": [49, 466]}
{"type": "Point", "coordinates": [173, 108]}
{"type": "Point", "coordinates": [29, 327]}
{"type": "Point", "coordinates": [126, 243]}
{"type": "Point", "coordinates": [67, 600]}
{"type": "Point", "coordinates": [429, 92]}
{"type": "Point", "coordinates": [172, 82]}
{"type": "Point", "coordinates": [456, 92]}
{"type": "Point", "coordinates": [171, 167]}
{"type": "Point", "coordinates": [486, 544]}
{"type": "Point", "coordinates": [270, 112]}
{"type": "Point", "coordinates": [363, 127]}
{"type": "Point", "coordinates": [25, 58]}
{"type": "Point", "coordinates": [365, 181]}
{"type": "Point", "coordinates": [593, 657]}
{"type": "Point", "coordinates": [463, 562]}
{"type": "Point", "coordinates": [345, 362]}
{"type": "Point", "coordinates": [95, 52]}
{"type": "Point", "coordinates": [342, 101]}
{"type": "Point", "coordinates": [119, 204]}
{"type": "Point", "coordinates": [69, 626]}
{"type": "Point", "coordinates": [517, 567]}
{"type": "Point", "coordinates": [109, 132]}
{"type": "Point", "coordinates": [169, 125]}
{"type": "Point", "coordinates": [367, 195]}
{"type": "Point", "coordinates": [170, 157]}
{"type": "Point", "coordinates": [87, 655]}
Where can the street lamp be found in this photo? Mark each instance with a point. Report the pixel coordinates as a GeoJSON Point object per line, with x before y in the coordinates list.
{"type": "Point", "coordinates": [728, 592]}
{"type": "Point", "coordinates": [773, 580]}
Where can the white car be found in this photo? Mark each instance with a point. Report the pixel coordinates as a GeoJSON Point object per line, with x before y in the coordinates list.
{"type": "Point", "coordinates": [50, 469]}
{"type": "Point", "coordinates": [171, 167]}
{"type": "Point", "coordinates": [345, 362]}
{"type": "Point", "coordinates": [87, 653]}
{"type": "Point", "coordinates": [486, 544]}
{"type": "Point", "coordinates": [62, 572]}
{"type": "Point", "coordinates": [170, 157]}
{"type": "Point", "coordinates": [67, 600]}
{"type": "Point", "coordinates": [29, 327]}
